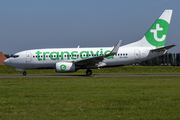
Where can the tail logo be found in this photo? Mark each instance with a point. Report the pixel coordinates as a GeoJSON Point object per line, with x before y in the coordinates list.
{"type": "Point", "coordinates": [156, 35]}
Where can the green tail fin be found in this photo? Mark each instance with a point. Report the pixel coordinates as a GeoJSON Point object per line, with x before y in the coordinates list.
{"type": "Point", "coordinates": [156, 35]}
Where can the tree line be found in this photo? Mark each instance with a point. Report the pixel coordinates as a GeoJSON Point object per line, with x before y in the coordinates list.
{"type": "Point", "coordinates": [170, 58]}
{"type": "Point", "coordinates": [8, 56]}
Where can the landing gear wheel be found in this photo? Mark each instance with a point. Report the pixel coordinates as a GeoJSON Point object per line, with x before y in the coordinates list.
{"type": "Point", "coordinates": [24, 73]}
{"type": "Point", "coordinates": [89, 72]}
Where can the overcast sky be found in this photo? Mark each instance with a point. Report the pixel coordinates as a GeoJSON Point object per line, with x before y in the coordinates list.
{"type": "Point", "coordinates": [89, 23]}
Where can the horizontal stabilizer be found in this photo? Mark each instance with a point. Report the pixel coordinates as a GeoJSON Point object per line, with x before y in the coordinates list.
{"type": "Point", "coordinates": [163, 48]}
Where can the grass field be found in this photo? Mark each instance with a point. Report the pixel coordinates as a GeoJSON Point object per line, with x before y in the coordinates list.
{"type": "Point", "coordinates": [5, 70]}
{"type": "Point", "coordinates": [90, 98]}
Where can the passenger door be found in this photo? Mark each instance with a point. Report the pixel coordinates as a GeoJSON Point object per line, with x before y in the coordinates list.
{"type": "Point", "coordinates": [28, 57]}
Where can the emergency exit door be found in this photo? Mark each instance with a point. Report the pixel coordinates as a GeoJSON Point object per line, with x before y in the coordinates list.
{"type": "Point", "coordinates": [137, 54]}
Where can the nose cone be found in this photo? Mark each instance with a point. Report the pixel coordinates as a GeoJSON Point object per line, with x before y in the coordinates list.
{"type": "Point", "coordinates": [7, 62]}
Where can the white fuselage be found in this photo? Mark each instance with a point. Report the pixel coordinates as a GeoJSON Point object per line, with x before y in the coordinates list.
{"type": "Point", "coordinates": [47, 58]}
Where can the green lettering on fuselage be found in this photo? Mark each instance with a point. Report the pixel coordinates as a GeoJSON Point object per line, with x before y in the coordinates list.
{"type": "Point", "coordinates": [84, 56]}
{"type": "Point", "coordinates": [101, 51]}
{"type": "Point", "coordinates": [108, 51]}
{"type": "Point", "coordinates": [94, 54]}
{"type": "Point", "coordinates": [38, 55]}
{"type": "Point", "coordinates": [44, 55]}
{"type": "Point", "coordinates": [56, 56]}
{"type": "Point", "coordinates": [62, 55]}
{"type": "Point", "coordinates": [74, 55]}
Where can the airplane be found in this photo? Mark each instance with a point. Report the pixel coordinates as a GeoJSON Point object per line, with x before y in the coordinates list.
{"type": "Point", "coordinates": [72, 59]}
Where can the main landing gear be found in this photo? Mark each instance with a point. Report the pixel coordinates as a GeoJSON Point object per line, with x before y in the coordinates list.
{"type": "Point", "coordinates": [89, 72]}
{"type": "Point", "coordinates": [24, 73]}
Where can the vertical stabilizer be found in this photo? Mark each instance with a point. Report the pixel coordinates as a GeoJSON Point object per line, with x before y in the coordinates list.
{"type": "Point", "coordinates": [157, 34]}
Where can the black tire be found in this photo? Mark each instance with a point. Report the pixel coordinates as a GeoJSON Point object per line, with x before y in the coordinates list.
{"type": "Point", "coordinates": [24, 73]}
{"type": "Point", "coordinates": [89, 72]}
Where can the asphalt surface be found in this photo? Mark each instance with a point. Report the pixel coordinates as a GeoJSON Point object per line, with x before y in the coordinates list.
{"type": "Point", "coordinates": [110, 75]}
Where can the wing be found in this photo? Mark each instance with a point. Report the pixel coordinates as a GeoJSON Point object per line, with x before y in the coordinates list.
{"type": "Point", "coordinates": [98, 60]}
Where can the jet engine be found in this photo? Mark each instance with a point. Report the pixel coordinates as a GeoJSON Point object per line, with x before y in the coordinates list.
{"type": "Point", "coordinates": [65, 67]}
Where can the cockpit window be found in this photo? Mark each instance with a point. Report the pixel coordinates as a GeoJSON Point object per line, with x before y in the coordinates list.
{"type": "Point", "coordinates": [15, 56]}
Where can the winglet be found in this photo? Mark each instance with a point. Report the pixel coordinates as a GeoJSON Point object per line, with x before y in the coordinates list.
{"type": "Point", "coordinates": [115, 49]}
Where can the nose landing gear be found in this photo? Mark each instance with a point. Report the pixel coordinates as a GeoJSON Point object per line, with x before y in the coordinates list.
{"type": "Point", "coordinates": [24, 73]}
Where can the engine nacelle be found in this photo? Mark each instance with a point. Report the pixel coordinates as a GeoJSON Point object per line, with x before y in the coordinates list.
{"type": "Point", "coordinates": [65, 67]}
